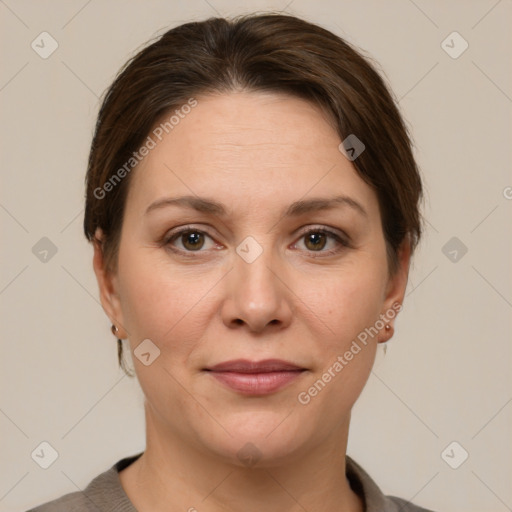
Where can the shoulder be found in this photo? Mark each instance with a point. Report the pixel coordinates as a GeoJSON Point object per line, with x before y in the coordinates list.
{"type": "Point", "coordinates": [104, 493]}
{"type": "Point", "coordinates": [374, 499]}
{"type": "Point", "coordinates": [401, 505]}
{"type": "Point", "coordinates": [76, 501]}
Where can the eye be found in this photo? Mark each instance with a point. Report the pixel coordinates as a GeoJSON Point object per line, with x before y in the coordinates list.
{"type": "Point", "coordinates": [316, 240]}
{"type": "Point", "coordinates": [189, 240]}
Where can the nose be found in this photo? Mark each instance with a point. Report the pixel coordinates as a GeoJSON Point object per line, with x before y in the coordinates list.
{"type": "Point", "coordinates": [257, 295]}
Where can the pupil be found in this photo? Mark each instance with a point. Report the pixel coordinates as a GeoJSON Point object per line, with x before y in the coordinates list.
{"type": "Point", "coordinates": [317, 239]}
{"type": "Point", "coordinates": [192, 240]}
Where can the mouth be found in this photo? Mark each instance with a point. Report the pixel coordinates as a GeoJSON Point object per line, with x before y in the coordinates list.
{"type": "Point", "coordinates": [255, 377]}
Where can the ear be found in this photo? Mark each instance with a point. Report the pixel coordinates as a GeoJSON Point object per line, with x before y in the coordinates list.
{"type": "Point", "coordinates": [108, 286]}
{"type": "Point", "coordinates": [395, 291]}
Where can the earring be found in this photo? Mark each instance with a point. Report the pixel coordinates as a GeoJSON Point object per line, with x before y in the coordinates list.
{"type": "Point", "coordinates": [120, 359]}
{"type": "Point", "coordinates": [115, 330]}
{"type": "Point", "coordinates": [385, 347]}
{"type": "Point", "coordinates": [389, 332]}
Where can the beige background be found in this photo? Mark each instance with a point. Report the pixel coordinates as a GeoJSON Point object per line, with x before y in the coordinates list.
{"type": "Point", "coordinates": [447, 373]}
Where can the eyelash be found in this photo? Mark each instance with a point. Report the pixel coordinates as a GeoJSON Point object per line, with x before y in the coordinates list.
{"type": "Point", "coordinates": [167, 241]}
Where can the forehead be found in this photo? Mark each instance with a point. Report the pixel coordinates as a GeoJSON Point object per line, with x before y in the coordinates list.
{"type": "Point", "coordinates": [248, 150]}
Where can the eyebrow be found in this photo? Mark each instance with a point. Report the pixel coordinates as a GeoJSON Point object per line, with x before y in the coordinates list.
{"type": "Point", "coordinates": [297, 208]}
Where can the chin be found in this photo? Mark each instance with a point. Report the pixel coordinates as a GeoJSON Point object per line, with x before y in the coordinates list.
{"type": "Point", "coordinates": [260, 439]}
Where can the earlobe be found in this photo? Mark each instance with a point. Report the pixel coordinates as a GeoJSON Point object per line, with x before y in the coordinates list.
{"type": "Point", "coordinates": [107, 284]}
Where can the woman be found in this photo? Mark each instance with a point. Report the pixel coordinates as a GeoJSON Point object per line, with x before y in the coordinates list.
{"type": "Point", "coordinates": [253, 203]}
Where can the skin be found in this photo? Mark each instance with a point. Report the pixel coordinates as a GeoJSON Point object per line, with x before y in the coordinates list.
{"type": "Point", "coordinates": [256, 153]}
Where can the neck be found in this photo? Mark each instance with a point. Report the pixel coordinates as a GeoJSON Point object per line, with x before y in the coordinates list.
{"type": "Point", "coordinates": [172, 475]}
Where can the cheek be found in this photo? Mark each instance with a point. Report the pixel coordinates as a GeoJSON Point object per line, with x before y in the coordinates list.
{"type": "Point", "coordinates": [345, 351]}
{"type": "Point", "coordinates": [342, 303]}
{"type": "Point", "coordinates": [167, 305]}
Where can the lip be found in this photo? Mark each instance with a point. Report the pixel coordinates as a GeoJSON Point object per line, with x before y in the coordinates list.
{"type": "Point", "coordinates": [255, 377]}
{"type": "Point", "coordinates": [246, 366]}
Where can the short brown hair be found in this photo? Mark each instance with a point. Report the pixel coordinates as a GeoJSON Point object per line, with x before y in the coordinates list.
{"type": "Point", "coordinates": [263, 52]}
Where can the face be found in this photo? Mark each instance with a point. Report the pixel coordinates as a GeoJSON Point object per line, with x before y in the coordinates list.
{"type": "Point", "coordinates": [275, 255]}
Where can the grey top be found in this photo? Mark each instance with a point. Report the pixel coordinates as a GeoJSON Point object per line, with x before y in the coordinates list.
{"type": "Point", "coordinates": [105, 493]}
